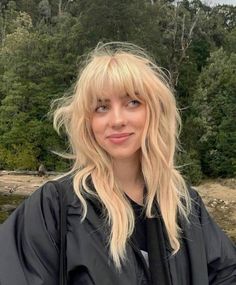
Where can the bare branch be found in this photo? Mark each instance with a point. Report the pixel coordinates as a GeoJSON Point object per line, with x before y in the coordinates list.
{"type": "Point", "coordinates": [194, 24]}
{"type": "Point", "coordinates": [185, 44]}
{"type": "Point", "coordinates": [183, 32]}
{"type": "Point", "coordinates": [59, 7]}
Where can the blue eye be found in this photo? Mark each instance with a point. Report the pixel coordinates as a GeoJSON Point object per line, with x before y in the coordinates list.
{"type": "Point", "coordinates": [101, 109]}
{"type": "Point", "coordinates": [134, 103]}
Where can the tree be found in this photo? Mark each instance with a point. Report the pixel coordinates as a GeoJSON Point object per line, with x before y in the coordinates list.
{"type": "Point", "coordinates": [45, 10]}
{"type": "Point", "coordinates": [31, 78]}
{"type": "Point", "coordinates": [214, 102]}
{"type": "Point", "coordinates": [42, 43]}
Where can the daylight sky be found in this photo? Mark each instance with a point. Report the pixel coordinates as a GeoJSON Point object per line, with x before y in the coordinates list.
{"type": "Point", "coordinates": [215, 2]}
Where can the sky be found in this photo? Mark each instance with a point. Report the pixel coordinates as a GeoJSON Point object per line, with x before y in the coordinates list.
{"type": "Point", "coordinates": [215, 2]}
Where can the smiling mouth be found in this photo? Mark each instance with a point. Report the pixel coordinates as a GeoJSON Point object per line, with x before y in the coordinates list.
{"type": "Point", "coordinates": [118, 139]}
{"type": "Point", "coordinates": [119, 135]}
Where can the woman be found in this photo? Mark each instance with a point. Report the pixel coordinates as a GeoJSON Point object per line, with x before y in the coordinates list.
{"type": "Point", "coordinates": [130, 217]}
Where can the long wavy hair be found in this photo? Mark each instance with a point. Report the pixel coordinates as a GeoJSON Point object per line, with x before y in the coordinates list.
{"type": "Point", "coordinates": [129, 69]}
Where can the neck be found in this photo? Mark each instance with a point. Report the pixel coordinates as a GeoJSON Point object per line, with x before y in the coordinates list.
{"type": "Point", "coordinates": [129, 176]}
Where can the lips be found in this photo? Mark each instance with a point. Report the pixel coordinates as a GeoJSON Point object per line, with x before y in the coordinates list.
{"type": "Point", "coordinates": [120, 135]}
{"type": "Point", "coordinates": [119, 138]}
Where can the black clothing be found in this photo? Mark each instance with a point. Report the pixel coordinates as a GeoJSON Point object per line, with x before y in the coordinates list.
{"type": "Point", "coordinates": [140, 230]}
{"type": "Point", "coordinates": [29, 246]}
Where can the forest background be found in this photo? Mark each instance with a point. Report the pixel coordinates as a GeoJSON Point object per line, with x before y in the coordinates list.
{"type": "Point", "coordinates": [42, 44]}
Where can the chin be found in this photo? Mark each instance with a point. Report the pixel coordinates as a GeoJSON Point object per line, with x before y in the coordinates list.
{"type": "Point", "coordinates": [124, 156]}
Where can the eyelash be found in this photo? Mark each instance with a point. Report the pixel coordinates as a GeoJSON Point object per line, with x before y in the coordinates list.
{"type": "Point", "coordinates": [135, 101]}
{"type": "Point", "coordinates": [97, 108]}
{"type": "Point", "coordinates": [134, 104]}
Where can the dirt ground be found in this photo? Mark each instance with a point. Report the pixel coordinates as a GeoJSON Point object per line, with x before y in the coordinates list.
{"type": "Point", "coordinates": [21, 184]}
{"type": "Point", "coordinates": [220, 199]}
{"type": "Point", "coordinates": [218, 195]}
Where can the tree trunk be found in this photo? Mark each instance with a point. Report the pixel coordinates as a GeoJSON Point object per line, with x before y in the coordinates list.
{"type": "Point", "coordinates": [59, 7]}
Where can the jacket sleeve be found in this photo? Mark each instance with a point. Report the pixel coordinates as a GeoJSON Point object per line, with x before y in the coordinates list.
{"type": "Point", "coordinates": [220, 251]}
{"type": "Point", "coordinates": [29, 252]}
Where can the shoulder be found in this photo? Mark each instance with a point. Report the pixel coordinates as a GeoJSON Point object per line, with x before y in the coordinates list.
{"type": "Point", "coordinates": [202, 221]}
{"type": "Point", "coordinates": [30, 239]}
{"type": "Point", "coordinates": [40, 211]}
{"type": "Point", "coordinates": [206, 240]}
{"type": "Point", "coordinates": [193, 194]}
{"type": "Point", "coordinates": [196, 200]}
{"type": "Point", "coordinates": [49, 191]}
{"type": "Point", "coordinates": [198, 215]}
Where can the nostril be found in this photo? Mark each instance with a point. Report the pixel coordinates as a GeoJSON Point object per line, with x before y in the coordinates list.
{"type": "Point", "coordinates": [117, 122]}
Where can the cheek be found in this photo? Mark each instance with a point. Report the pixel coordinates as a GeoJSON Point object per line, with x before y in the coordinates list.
{"type": "Point", "coordinates": [93, 129]}
{"type": "Point", "coordinates": [94, 125]}
{"type": "Point", "coordinates": [142, 118]}
{"type": "Point", "coordinates": [97, 128]}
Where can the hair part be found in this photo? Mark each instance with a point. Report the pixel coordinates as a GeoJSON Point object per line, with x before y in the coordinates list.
{"type": "Point", "coordinates": [126, 68]}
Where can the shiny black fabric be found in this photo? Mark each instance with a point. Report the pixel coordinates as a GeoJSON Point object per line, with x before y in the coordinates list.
{"type": "Point", "coordinates": [29, 247]}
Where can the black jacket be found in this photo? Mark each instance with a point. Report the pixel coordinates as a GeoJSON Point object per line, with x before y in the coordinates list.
{"type": "Point", "coordinates": [29, 247]}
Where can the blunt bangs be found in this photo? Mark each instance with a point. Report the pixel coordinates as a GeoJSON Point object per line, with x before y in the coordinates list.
{"type": "Point", "coordinates": [121, 72]}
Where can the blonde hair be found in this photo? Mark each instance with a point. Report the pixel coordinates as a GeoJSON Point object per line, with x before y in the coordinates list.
{"type": "Point", "coordinates": [129, 69]}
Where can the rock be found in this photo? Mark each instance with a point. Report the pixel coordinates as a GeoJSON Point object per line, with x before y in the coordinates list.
{"type": "Point", "coordinates": [42, 170]}
{"type": "Point", "coordinates": [13, 189]}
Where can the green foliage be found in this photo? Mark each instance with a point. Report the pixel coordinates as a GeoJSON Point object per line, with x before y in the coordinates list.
{"type": "Point", "coordinates": [214, 103]}
{"type": "Point", "coordinates": [190, 166]}
{"type": "Point", "coordinates": [230, 42]}
{"type": "Point", "coordinates": [21, 157]}
{"type": "Point", "coordinates": [43, 42]}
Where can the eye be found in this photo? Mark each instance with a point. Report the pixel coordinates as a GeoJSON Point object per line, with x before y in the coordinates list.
{"type": "Point", "coordinates": [134, 103]}
{"type": "Point", "coordinates": [101, 109]}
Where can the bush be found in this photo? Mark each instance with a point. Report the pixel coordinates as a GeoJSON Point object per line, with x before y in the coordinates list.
{"type": "Point", "coordinates": [190, 167]}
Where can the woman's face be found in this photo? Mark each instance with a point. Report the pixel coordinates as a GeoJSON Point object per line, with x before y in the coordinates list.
{"type": "Point", "coordinates": [117, 123]}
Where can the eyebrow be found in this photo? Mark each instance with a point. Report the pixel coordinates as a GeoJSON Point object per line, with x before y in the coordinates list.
{"type": "Point", "coordinates": [108, 100]}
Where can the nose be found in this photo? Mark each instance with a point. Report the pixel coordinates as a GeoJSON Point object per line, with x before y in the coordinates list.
{"type": "Point", "coordinates": [117, 117]}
